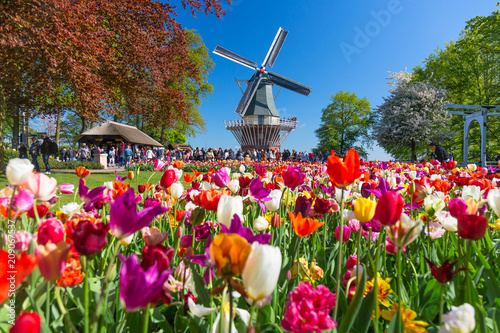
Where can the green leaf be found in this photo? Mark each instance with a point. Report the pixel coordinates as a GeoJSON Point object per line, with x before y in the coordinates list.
{"type": "Point", "coordinates": [352, 312]}
{"type": "Point", "coordinates": [365, 313]}
{"type": "Point", "coordinates": [396, 324]}
{"type": "Point", "coordinates": [200, 286]}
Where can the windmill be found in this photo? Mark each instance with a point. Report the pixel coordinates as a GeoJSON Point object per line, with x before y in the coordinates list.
{"type": "Point", "coordinates": [261, 126]}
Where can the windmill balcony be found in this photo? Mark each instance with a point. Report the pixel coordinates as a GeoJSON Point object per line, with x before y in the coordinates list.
{"type": "Point", "coordinates": [273, 121]}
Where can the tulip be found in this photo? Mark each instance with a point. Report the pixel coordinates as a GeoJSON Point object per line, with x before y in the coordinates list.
{"type": "Point", "coordinates": [303, 227]}
{"type": "Point", "coordinates": [89, 238]}
{"type": "Point", "coordinates": [303, 205]}
{"type": "Point", "coordinates": [472, 227]}
{"type": "Point", "coordinates": [459, 320]}
{"type": "Point", "coordinates": [444, 273]}
{"type": "Point", "coordinates": [153, 236]}
{"type": "Point", "coordinates": [168, 178]}
{"type": "Point", "coordinates": [293, 177]}
{"type": "Point", "coordinates": [234, 185]}
{"type": "Point", "coordinates": [27, 322]}
{"type": "Point", "coordinates": [257, 191]}
{"type": "Point", "coordinates": [22, 201]}
{"type": "Point", "coordinates": [322, 206]}
{"type": "Point", "coordinates": [457, 207]}
{"type": "Point", "coordinates": [177, 171]}
{"type": "Point", "coordinates": [237, 228]}
{"type": "Point", "coordinates": [347, 233]}
{"type": "Point", "coordinates": [50, 230]}
{"type": "Point", "coordinates": [230, 253]}
{"type": "Point", "coordinates": [433, 204]}
{"type": "Point", "coordinates": [41, 210]}
{"type": "Point", "coordinates": [23, 266]}
{"type": "Point", "coordinates": [52, 259]}
{"type": "Point", "coordinates": [20, 239]}
{"type": "Point", "coordinates": [260, 224]}
{"type": "Point", "coordinates": [138, 287]}
{"type": "Point", "coordinates": [221, 177]}
{"type": "Point", "coordinates": [364, 209]}
{"type": "Point", "coordinates": [276, 221]}
{"type": "Point", "coordinates": [176, 190]}
{"type": "Point", "coordinates": [124, 220]}
{"type": "Point", "coordinates": [82, 172]}
{"type": "Point", "coordinates": [157, 255]}
{"type": "Point", "coordinates": [209, 199]}
{"type": "Point", "coordinates": [391, 248]}
{"type": "Point", "coordinates": [159, 165]}
{"type": "Point", "coordinates": [494, 201]}
{"type": "Point", "coordinates": [66, 188]}
{"type": "Point", "coordinates": [274, 204]}
{"type": "Point", "coordinates": [405, 231]}
{"type": "Point", "coordinates": [261, 271]}
{"type": "Point", "coordinates": [229, 206]}
{"type": "Point", "coordinates": [18, 171]}
{"type": "Point", "coordinates": [389, 208]}
{"type": "Point", "coordinates": [351, 262]}
{"type": "Point", "coordinates": [343, 173]}
{"type": "Point", "coordinates": [44, 188]}
{"type": "Point", "coordinates": [471, 192]}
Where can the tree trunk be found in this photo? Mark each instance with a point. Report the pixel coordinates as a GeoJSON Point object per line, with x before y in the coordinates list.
{"type": "Point", "coordinates": [15, 128]}
{"type": "Point", "coordinates": [162, 135]}
{"type": "Point", "coordinates": [58, 126]}
{"type": "Point", "coordinates": [3, 117]}
{"type": "Point", "coordinates": [413, 155]}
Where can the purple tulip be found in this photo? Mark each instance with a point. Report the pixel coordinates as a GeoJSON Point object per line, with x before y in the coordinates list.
{"type": "Point", "coordinates": [92, 195]}
{"type": "Point", "coordinates": [221, 177]}
{"type": "Point", "coordinates": [22, 201]}
{"type": "Point", "coordinates": [237, 228]}
{"type": "Point", "coordinates": [293, 177]}
{"type": "Point", "coordinates": [124, 220]}
{"type": "Point", "coordinates": [303, 205]}
{"type": "Point", "coordinates": [457, 207]}
{"type": "Point", "coordinates": [140, 287]}
{"type": "Point", "coordinates": [119, 179]}
{"type": "Point", "coordinates": [259, 193]}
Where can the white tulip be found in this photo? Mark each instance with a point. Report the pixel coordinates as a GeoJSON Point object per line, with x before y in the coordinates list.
{"type": "Point", "coordinates": [472, 167]}
{"type": "Point", "coordinates": [471, 191]}
{"type": "Point", "coordinates": [274, 204]}
{"type": "Point", "coordinates": [260, 224]}
{"type": "Point", "coordinates": [459, 320]}
{"type": "Point", "coordinates": [494, 201]}
{"type": "Point", "coordinates": [242, 168]}
{"type": "Point", "coordinates": [176, 190]}
{"type": "Point", "coordinates": [234, 185]}
{"type": "Point", "coordinates": [18, 171]}
{"type": "Point", "coordinates": [109, 185]}
{"type": "Point", "coordinates": [206, 186]}
{"type": "Point", "coordinates": [70, 208]}
{"type": "Point", "coordinates": [448, 222]}
{"type": "Point", "coordinates": [228, 206]}
{"type": "Point", "coordinates": [261, 271]}
{"type": "Point", "coordinates": [433, 204]}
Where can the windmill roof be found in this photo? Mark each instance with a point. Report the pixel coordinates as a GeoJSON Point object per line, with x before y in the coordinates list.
{"type": "Point", "coordinates": [262, 103]}
{"type": "Point", "coordinates": [130, 134]}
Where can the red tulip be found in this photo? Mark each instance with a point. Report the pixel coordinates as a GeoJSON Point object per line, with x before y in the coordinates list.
{"type": "Point", "coordinates": [322, 206]}
{"type": "Point", "coordinates": [168, 178]}
{"type": "Point", "coordinates": [444, 273]}
{"type": "Point", "coordinates": [343, 173]}
{"type": "Point", "coordinates": [159, 254]}
{"type": "Point", "coordinates": [24, 264]}
{"type": "Point", "coordinates": [89, 238]}
{"type": "Point", "coordinates": [50, 230]}
{"type": "Point", "coordinates": [27, 322]}
{"type": "Point", "coordinates": [472, 226]}
{"type": "Point", "coordinates": [40, 209]}
{"type": "Point", "coordinates": [389, 208]}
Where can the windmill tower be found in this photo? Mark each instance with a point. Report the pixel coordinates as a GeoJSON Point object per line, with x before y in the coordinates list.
{"type": "Point", "coordinates": [261, 126]}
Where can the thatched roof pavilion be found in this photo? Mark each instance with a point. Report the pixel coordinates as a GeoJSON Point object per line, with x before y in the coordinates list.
{"type": "Point", "coordinates": [112, 132]}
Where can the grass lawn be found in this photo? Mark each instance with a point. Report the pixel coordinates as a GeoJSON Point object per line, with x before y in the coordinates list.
{"type": "Point", "coordinates": [95, 180]}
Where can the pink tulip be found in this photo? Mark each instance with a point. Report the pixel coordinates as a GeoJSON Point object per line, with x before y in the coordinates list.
{"type": "Point", "coordinates": [389, 208]}
{"type": "Point", "coordinates": [153, 236]}
{"type": "Point", "coordinates": [159, 165]}
{"type": "Point", "coordinates": [22, 201]}
{"type": "Point", "coordinates": [52, 259]}
{"type": "Point", "coordinates": [66, 188]}
{"type": "Point", "coordinates": [347, 232]}
{"type": "Point", "coordinates": [44, 188]}
{"type": "Point", "coordinates": [21, 240]}
{"type": "Point", "coordinates": [50, 230]}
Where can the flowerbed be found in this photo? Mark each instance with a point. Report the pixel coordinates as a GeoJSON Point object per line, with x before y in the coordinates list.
{"type": "Point", "coordinates": [343, 246]}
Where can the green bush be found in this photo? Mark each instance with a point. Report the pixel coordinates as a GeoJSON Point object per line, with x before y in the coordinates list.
{"type": "Point", "coordinates": [55, 165]}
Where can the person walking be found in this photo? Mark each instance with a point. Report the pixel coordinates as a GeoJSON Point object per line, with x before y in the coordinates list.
{"type": "Point", "coordinates": [46, 146]}
{"type": "Point", "coordinates": [128, 154]}
{"type": "Point", "coordinates": [34, 152]}
{"type": "Point", "coordinates": [23, 152]}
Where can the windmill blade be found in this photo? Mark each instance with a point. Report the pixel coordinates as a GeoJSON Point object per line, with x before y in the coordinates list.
{"type": "Point", "coordinates": [275, 48]}
{"type": "Point", "coordinates": [234, 57]}
{"type": "Point", "coordinates": [253, 84]}
{"type": "Point", "coordinates": [289, 84]}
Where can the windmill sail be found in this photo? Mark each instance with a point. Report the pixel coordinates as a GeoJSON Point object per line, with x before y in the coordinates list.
{"type": "Point", "coordinates": [275, 48]}
{"type": "Point", "coordinates": [234, 57]}
{"type": "Point", "coordinates": [253, 84]}
{"type": "Point", "coordinates": [289, 84]}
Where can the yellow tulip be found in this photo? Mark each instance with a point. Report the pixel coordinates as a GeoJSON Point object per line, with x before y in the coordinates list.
{"type": "Point", "coordinates": [364, 209]}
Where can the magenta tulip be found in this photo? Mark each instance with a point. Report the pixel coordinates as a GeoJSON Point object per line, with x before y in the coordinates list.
{"type": "Point", "coordinates": [389, 208]}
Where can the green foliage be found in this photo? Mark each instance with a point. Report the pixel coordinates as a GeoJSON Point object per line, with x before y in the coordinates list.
{"type": "Point", "coordinates": [469, 69]}
{"type": "Point", "coordinates": [56, 165]}
{"type": "Point", "coordinates": [345, 124]}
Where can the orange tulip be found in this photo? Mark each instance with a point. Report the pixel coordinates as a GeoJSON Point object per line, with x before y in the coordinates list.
{"type": "Point", "coordinates": [303, 227]}
{"type": "Point", "coordinates": [119, 189]}
{"type": "Point", "coordinates": [82, 172]}
{"type": "Point", "coordinates": [179, 214]}
{"type": "Point", "coordinates": [130, 175]}
{"type": "Point", "coordinates": [70, 278]}
{"type": "Point", "coordinates": [178, 164]}
{"type": "Point", "coordinates": [196, 173]}
{"type": "Point", "coordinates": [343, 173]}
{"type": "Point", "coordinates": [209, 199]}
{"type": "Point", "coordinates": [188, 178]}
{"type": "Point", "coordinates": [230, 253]}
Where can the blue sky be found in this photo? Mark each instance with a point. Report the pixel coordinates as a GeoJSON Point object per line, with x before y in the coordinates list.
{"type": "Point", "coordinates": [331, 46]}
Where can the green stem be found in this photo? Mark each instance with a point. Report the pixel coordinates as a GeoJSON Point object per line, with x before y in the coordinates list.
{"type": "Point", "coordinates": [230, 288]}
{"type": "Point", "coordinates": [86, 293]}
{"type": "Point", "coordinates": [145, 319]}
{"type": "Point", "coordinates": [441, 304]}
{"type": "Point", "coordinates": [400, 300]}
{"type": "Point", "coordinates": [297, 255]}
{"type": "Point", "coordinates": [257, 322]}
{"type": "Point", "coordinates": [47, 303]}
{"type": "Point", "coordinates": [468, 291]}
{"type": "Point", "coordinates": [339, 253]}
{"type": "Point", "coordinates": [375, 284]}
{"type": "Point", "coordinates": [122, 323]}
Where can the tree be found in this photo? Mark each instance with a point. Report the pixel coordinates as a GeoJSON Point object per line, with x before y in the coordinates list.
{"type": "Point", "coordinates": [469, 69]}
{"type": "Point", "coordinates": [111, 56]}
{"type": "Point", "coordinates": [345, 124]}
{"type": "Point", "coordinates": [411, 117]}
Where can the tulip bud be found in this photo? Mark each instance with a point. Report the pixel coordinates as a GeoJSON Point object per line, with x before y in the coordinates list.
{"type": "Point", "coordinates": [178, 232]}
{"type": "Point", "coordinates": [176, 190]}
{"type": "Point", "coordinates": [275, 221]}
{"type": "Point", "coordinates": [141, 188]}
{"type": "Point", "coordinates": [27, 322]}
{"type": "Point", "coordinates": [168, 178]}
{"type": "Point", "coordinates": [18, 171]}
{"type": "Point", "coordinates": [364, 209]}
{"type": "Point", "coordinates": [130, 175]}
{"type": "Point", "coordinates": [412, 187]}
{"type": "Point", "coordinates": [197, 216]}
{"type": "Point", "coordinates": [260, 224]}
{"type": "Point", "coordinates": [227, 207]}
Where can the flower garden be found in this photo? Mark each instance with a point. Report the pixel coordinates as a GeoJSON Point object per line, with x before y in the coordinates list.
{"type": "Point", "coordinates": [344, 246]}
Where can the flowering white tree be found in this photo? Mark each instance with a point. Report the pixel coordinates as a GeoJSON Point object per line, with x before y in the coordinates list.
{"type": "Point", "coordinates": [411, 117]}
